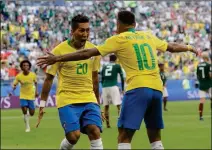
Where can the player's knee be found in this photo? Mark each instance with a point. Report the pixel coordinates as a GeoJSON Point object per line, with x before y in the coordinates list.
{"type": "Point", "coordinates": [32, 113]}
{"type": "Point", "coordinates": [125, 135]}
{"type": "Point", "coordinates": [73, 137]}
{"type": "Point", "coordinates": [93, 131]}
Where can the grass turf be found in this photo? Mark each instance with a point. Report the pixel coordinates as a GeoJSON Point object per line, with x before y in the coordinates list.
{"type": "Point", "coordinates": [183, 130]}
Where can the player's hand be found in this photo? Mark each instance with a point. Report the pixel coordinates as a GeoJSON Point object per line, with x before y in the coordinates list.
{"type": "Point", "coordinates": [36, 94]}
{"type": "Point", "coordinates": [40, 115]}
{"type": "Point", "coordinates": [103, 116]}
{"type": "Point", "coordinates": [193, 50]}
{"type": "Point", "coordinates": [48, 59]}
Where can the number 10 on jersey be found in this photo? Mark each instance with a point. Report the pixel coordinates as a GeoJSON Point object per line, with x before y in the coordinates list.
{"type": "Point", "coordinates": [142, 57]}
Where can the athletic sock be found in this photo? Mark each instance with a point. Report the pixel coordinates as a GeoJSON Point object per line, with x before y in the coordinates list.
{"type": "Point", "coordinates": [157, 145]}
{"type": "Point", "coordinates": [96, 144]}
{"type": "Point", "coordinates": [65, 145]}
{"type": "Point", "coordinates": [124, 146]}
{"type": "Point", "coordinates": [26, 120]}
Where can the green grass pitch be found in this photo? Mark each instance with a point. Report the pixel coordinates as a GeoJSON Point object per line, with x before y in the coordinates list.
{"type": "Point", "coordinates": [183, 130]}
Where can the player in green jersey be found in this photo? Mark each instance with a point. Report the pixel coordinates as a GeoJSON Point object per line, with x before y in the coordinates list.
{"type": "Point", "coordinates": [110, 90]}
{"type": "Point", "coordinates": [164, 79]}
{"type": "Point", "coordinates": [204, 76]}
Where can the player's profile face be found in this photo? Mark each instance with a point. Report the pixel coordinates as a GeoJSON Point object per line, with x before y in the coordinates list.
{"type": "Point", "coordinates": [82, 32]}
{"type": "Point", "coordinates": [25, 66]}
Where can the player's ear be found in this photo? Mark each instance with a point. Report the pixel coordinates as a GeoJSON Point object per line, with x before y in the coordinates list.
{"type": "Point", "coordinates": [134, 24]}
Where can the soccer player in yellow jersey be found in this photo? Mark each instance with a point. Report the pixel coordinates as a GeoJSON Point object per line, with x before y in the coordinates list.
{"type": "Point", "coordinates": [77, 94]}
{"type": "Point", "coordinates": [136, 51]}
{"type": "Point", "coordinates": [28, 91]}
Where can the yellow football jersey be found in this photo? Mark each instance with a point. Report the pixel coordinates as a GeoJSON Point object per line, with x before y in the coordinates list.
{"type": "Point", "coordinates": [136, 51]}
{"type": "Point", "coordinates": [27, 85]}
{"type": "Point", "coordinates": [74, 77]}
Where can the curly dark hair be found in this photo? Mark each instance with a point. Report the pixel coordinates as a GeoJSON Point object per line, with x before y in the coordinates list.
{"type": "Point", "coordinates": [26, 61]}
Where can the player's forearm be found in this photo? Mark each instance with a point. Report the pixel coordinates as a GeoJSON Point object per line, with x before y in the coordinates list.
{"type": "Point", "coordinates": [78, 55]}
{"type": "Point", "coordinates": [36, 87]}
{"type": "Point", "coordinates": [96, 85]}
{"type": "Point", "coordinates": [175, 47]}
{"type": "Point", "coordinates": [46, 89]}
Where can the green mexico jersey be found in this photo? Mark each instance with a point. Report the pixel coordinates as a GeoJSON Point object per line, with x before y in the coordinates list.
{"type": "Point", "coordinates": [203, 75]}
{"type": "Point", "coordinates": [110, 73]}
{"type": "Point", "coordinates": [163, 77]}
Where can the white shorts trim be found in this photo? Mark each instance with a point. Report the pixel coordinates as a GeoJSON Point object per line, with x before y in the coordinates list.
{"type": "Point", "coordinates": [165, 92]}
{"type": "Point", "coordinates": [205, 94]}
{"type": "Point", "coordinates": [111, 95]}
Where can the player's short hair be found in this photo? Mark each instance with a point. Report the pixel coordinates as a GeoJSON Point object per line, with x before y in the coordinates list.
{"type": "Point", "coordinates": [126, 17]}
{"type": "Point", "coordinates": [78, 19]}
{"type": "Point", "coordinates": [205, 55]}
{"type": "Point", "coordinates": [113, 57]}
{"type": "Point", "coordinates": [25, 61]}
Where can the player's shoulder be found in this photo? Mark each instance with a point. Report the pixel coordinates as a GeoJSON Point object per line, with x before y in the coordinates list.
{"type": "Point", "coordinates": [19, 74]}
{"type": "Point", "coordinates": [60, 47]}
{"type": "Point", "coordinates": [89, 44]}
{"type": "Point", "coordinates": [32, 73]}
{"type": "Point", "coordinates": [202, 64]}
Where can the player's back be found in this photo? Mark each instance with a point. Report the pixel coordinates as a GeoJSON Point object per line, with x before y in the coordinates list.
{"type": "Point", "coordinates": [203, 71]}
{"type": "Point", "coordinates": [138, 57]}
{"type": "Point", "coordinates": [109, 74]}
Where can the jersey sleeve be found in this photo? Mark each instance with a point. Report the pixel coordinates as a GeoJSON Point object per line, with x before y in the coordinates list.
{"type": "Point", "coordinates": [161, 45]}
{"type": "Point", "coordinates": [111, 45]}
{"type": "Point", "coordinates": [96, 63]}
{"type": "Point", "coordinates": [15, 82]}
{"type": "Point", "coordinates": [52, 69]}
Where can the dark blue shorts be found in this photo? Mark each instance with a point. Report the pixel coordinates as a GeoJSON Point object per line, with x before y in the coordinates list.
{"type": "Point", "coordinates": [76, 116]}
{"type": "Point", "coordinates": [139, 104]}
{"type": "Point", "coordinates": [27, 103]}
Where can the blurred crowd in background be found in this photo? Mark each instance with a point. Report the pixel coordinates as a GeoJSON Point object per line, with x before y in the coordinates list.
{"type": "Point", "coordinates": [28, 29]}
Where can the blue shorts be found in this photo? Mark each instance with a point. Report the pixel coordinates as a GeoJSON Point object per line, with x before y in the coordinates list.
{"type": "Point", "coordinates": [27, 103]}
{"type": "Point", "coordinates": [139, 104]}
{"type": "Point", "coordinates": [76, 116]}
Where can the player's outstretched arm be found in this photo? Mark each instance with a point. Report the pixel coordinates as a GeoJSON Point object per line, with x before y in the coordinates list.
{"type": "Point", "coordinates": [175, 47]}
{"type": "Point", "coordinates": [44, 95]}
{"type": "Point", "coordinates": [96, 85]}
{"type": "Point", "coordinates": [50, 59]}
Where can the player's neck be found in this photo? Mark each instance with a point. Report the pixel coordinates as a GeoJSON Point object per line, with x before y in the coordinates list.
{"type": "Point", "coordinates": [25, 72]}
{"type": "Point", "coordinates": [128, 29]}
{"type": "Point", "coordinates": [77, 44]}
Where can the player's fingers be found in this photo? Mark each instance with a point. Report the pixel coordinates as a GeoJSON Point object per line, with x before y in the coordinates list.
{"type": "Point", "coordinates": [49, 53]}
{"type": "Point", "coordinates": [41, 62]}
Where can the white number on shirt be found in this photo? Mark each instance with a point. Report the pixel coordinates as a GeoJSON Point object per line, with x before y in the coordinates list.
{"type": "Point", "coordinates": [108, 70]}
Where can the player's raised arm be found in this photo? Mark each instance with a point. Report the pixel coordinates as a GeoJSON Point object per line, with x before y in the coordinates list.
{"type": "Point", "coordinates": [36, 86]}
{"type": "Point", "coordinates": [110, 46]}
{"type": "Point", "coordinates": [78, 55]}
{"type": "Point", "coordinates": [175, 47]}
{"type": "Point", "coordinates": [44, 95]}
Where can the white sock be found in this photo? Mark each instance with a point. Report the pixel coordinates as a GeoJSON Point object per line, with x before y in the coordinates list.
{"type": "Point", "coordinates": [124, 146]}
{"type": "Point", "coordinates": [96, 144]}
{"type": "Point", "coordinates": [26, 120]}
{"type": "Point", "coordinates": [65, 145]}
{"type": "Point", "coordinates": [157, 145]}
